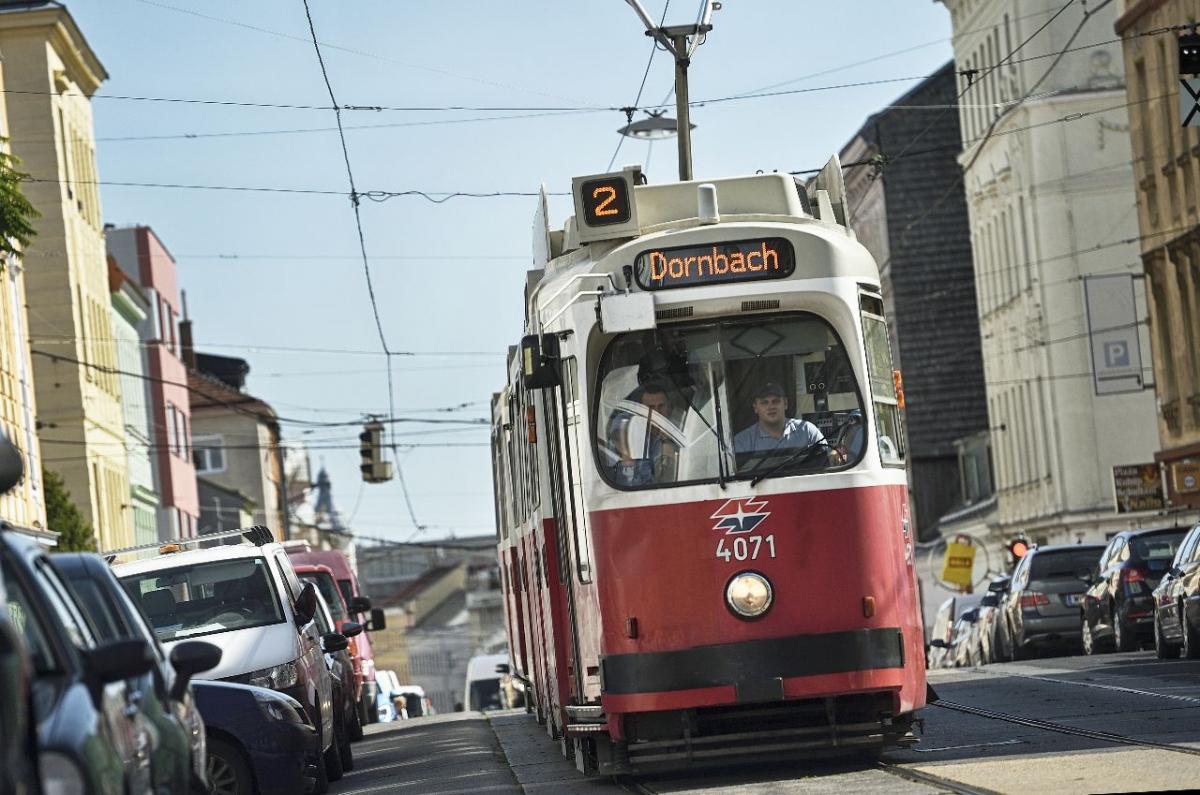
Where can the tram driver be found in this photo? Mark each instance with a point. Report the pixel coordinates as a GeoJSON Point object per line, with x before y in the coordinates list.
{"type": "Point", "coordinates": [656, 458]}
{"type": "Point", "coordinates": [774, 430]}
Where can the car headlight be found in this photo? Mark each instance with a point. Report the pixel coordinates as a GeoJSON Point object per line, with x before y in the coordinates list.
{"type": "Point", "coordinates": [280, 707]}
{"type": "Point", "coordinates": [276, 677]}
{"type": "Point", "coordinates": [60, 775]}
{"type": "Point", "coordinates": [749, 594]}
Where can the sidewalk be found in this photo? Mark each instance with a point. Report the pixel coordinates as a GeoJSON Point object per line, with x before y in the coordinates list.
{"type": "Point", "coordinates": [455, 754]}
{"type": "Point", "coordinates": [536, 761]}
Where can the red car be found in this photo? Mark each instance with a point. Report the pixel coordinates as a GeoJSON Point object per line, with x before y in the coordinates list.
{"type": "Point", "coordinates": [330, 566]}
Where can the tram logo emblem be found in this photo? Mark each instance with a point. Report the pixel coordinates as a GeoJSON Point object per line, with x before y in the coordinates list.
{"type": "Point", "coordinates": [740, 515]}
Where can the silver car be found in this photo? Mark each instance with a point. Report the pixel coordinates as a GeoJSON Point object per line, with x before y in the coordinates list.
{"type": "Point", "coordinates": [1043, 601]}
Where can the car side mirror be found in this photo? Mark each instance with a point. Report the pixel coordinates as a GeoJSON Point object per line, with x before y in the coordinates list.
{"type": "Point", "coordinates": [502, 668]}
{"type": "Point", "coordinates": [334, 642]}
{"type": "Point", "coordinates": [351, 628]}
{"type": "Point", "coordinates": [360, 604]}
{"type": "Point", "coordinates": [378, 621]}
{"type": "Point", "coordinates": [306, 605]}
{"type": "Point", "coordinates": [190, 658]}
{"type": "Point", "coordinates": [938, 643]}
{"type": "Point", "coordinates": [1175, 571]}
{"type": "Point", "coordinates": [12, 467]}
{"type": "Point", "coordinates": [117, 660]}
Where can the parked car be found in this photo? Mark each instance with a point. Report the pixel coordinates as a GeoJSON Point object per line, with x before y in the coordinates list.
{"type": "Point", "coordinates": [416, 703]}
{"type": "Point", "coordinates": [1118, 608]}
{"type": "Point", "coordinates": [993, 633]}
{"type": "Point", "coordinates": [965, 643]}
{"type": "Point", "coordinates": [1045, 596]}
{"type": "Point", "coordinates": [247, 599]}
{"type": "Point", "coordinates": [18, 747]}
{"type": "Point", "coordinates": [178, 755]}
{"type": "Point", "coordinates": [92, 735]}
{"type": "Point", "coordinates": [341, 668]}
{"type": "Point", "coordinates": [357, 604]}
{"type": "Point", "coordinates": [1177, 602]}
{"type": "Point", "coordinates": [260, 741]}
{"type": "Point", "coordinates": [322, 578]}
{"type": "Point", "coordinates": [941, 637]}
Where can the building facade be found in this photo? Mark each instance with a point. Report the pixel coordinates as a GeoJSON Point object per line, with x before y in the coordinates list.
{"type": "Point", "coordinates": [912, 216]}
{"type": "Point", "coordinates": [146, 261]}
{"type": "Point", "coordinates": [1049, 191]}
{"type": "Point", "coordinates": [236, 442]}
{"type": "Point", "coordinates": [78, 393]}
{"type": "Point", "coordinates": [25, 506]}
{"type": "Point", "coordinates": [130, 311]}
{"type": "Point", "coordinates": [1166, 171]}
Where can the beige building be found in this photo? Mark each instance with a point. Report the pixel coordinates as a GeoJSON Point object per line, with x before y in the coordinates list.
{"type": "Point", "coordinates": [48, 60]}
{"type": "Point", "coordinates": [24, 506]}
{"type": "Point", "coordinates": [1050, 198]}
{"type": "Point", "coordinates": [1166, 159]}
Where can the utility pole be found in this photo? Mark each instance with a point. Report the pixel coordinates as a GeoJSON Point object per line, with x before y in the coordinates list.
{"type": "Point", "coordinates": [675, 38]}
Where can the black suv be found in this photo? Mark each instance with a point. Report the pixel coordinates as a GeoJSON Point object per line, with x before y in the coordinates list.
{"type": "Point", "coordinates": [1118, 608]}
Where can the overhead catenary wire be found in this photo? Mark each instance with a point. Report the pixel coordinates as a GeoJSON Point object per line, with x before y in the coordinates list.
{"type": "Point", "coordinates": [354, 203]}
{"type": "Point", "coordinates": [654, 47]}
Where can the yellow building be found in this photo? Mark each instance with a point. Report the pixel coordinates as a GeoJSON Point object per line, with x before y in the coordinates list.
{"type": "Point", "coordinates": [24, 506]}
{"type": "Point", "coordinates": [1166, 159]}
{"type": "Point", "coordinates": [50, 74]}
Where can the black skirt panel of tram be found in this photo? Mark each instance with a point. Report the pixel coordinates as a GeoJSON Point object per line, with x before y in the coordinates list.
{"type": "Point", "coordinates": [751, 665]}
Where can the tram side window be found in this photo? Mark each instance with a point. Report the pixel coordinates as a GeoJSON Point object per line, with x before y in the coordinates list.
{"type": "Point", "coordinates": [732, 399]}
{"type": "Point", "coordinates": [514, 472]}
{"type": "Point", "coordinates": [499, 483]}
{"type": "Point", "coordinates": [888, 419]}
{"type": "Point", "coordinates": [584, 553]}
{"type": "Point", "coordinates": [529, 437]}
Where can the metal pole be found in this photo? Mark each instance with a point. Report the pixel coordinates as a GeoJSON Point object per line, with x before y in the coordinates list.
{"type": "Point", "coordinates": [680, 48]}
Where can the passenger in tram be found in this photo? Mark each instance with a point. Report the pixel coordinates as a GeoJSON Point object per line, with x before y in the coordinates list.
{"type": "Point", "coordinates": [656, 459]}
{"type": "Point", "coordinates": [851, 437]}
{"type": "Point", "coordinates": [774, 430]}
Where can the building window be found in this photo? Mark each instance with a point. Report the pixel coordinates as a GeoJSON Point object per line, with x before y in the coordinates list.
{"type": "Point", "coordinates": [208, 453]}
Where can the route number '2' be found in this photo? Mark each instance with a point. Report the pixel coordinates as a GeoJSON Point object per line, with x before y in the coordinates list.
{"type": "Point", "coordinates": [603, 208]}
{"type": "Point", "coordinates": [746, 548]}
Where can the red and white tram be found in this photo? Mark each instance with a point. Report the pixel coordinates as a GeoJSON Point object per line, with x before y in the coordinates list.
{"type": "Point", "coordinates": [700, 488]}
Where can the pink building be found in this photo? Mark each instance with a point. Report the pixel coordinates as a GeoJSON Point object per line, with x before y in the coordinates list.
{"type": "Point", "coordinates": [145, 260]}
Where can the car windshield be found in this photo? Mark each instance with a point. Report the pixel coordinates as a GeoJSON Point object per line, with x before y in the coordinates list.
{"type": "Point", "coordinates": [329, 591]}
{"type": "Point", "coordinates": [1064, 563]}
{"type": "Point", "coordinates": [206, 598]}
{"type": "Point", "coordinates": [732, 399]}
{"type": "Point", "coordinates": [1154, 547]}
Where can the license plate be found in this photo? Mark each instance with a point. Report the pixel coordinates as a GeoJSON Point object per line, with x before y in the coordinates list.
{"type": "Point", "coordinates": [1073, 599]}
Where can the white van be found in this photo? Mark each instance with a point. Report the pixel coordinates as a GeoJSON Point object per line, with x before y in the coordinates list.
{"type": "Point", "coordinates": [482, 688]}
{"type": "Point", "coordinates": [247, 599]}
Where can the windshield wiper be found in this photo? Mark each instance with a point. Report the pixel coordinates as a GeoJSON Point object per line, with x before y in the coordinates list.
{"type": "Point", "coordinates": [799, 457]}
{"type": "Point", "coordinates": [718, 431]}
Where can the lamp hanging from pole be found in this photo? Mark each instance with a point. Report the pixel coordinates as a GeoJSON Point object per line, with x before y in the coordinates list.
{"type": "Point", "coordinates": [657, 127]}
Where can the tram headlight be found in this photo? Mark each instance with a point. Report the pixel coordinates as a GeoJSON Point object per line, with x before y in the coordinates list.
{"type": "Point", "coordinates": [749, 594]}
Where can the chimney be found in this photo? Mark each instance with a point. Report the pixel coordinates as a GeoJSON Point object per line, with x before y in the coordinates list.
{"type": "Point", "coordinates": [185, 335]}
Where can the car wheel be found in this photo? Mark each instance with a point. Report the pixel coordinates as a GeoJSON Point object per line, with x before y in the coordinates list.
{"type": "Point", "coordinates": [1191, 637]}
{"type": "Point", "coordinates": [333, 762]}
{"type": "Point", "coordinates": [1086, 639]}
{"type": "Point", "coordinates": [1163, 649]}
{"type": "Point", "coordinates": [228, 773]}
{"type": "Point", "coordinates": [1124, 639]}
{"type": "Point", "coordinates": [321, 782]}
{"type": "Point", "coordinates": [354, 730]}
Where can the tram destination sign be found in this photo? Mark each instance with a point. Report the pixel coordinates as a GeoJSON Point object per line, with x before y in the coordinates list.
{"type": "Point", "coordinates": [715, 263]}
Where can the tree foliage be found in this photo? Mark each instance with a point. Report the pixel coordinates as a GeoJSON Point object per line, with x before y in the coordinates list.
{"type": "Point", "coordinates": [16, 213]}
{"type": "Point", "coordinates": [64, 517]}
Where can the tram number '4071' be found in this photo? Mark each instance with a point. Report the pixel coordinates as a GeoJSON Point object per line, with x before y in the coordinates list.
{"type": "Point", "coordinates": [746, 548]}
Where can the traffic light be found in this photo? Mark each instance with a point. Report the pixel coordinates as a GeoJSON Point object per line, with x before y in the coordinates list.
{"type": "Point", "coordinates": [374, 468]}
{"type": "Point", "coordinates": [1017, 549]}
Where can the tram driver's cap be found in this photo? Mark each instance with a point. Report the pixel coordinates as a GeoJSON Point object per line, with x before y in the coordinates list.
{"type": "Point", "coordinates": [768, 389]}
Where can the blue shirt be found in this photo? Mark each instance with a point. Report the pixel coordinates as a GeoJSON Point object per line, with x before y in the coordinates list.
{"type": "Point", "coordinates": [796, 433]}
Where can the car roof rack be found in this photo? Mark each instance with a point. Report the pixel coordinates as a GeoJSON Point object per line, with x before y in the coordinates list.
{"type": "Point", "coordinates": [258, 535]}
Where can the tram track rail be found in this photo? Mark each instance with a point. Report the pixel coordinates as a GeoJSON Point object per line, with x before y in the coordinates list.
{"type": "Point", "coordinates": [1062, 728]}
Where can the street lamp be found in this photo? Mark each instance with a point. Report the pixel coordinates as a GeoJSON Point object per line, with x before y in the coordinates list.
{"type": "Point", "coordinates": [655, 128]}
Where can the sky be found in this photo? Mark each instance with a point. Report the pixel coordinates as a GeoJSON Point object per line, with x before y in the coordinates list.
{"type": "Point", "coordinates": [265, 271]}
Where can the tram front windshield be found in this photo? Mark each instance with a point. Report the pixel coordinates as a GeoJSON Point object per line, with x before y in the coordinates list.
{"type": "Point", "coordinates": [727, 400]}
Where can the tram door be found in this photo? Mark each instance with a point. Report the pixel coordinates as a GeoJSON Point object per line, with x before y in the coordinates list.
{"type": "Point", "coordinates": [562, 416]}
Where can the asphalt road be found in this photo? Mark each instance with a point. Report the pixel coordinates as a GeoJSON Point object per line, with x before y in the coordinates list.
{"type": "Point", "coordinates": [1111, 723]}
